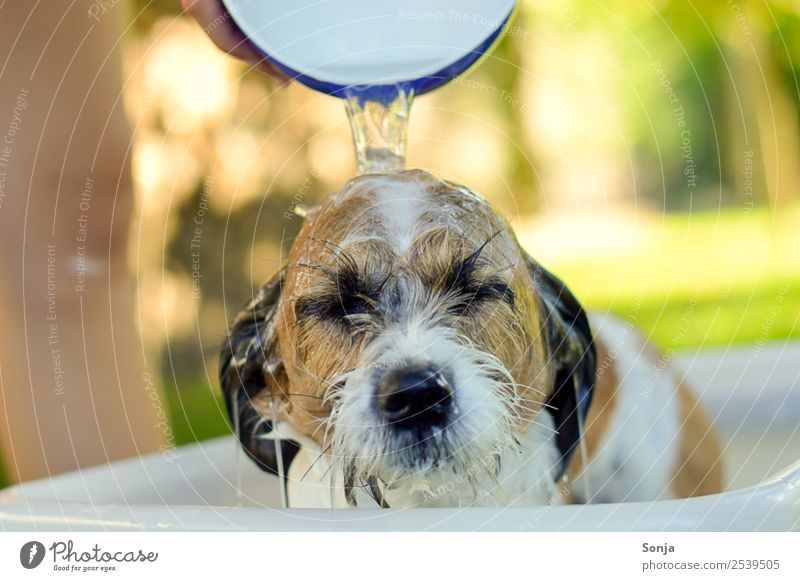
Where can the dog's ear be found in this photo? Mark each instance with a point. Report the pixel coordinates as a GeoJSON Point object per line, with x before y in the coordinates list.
{"type": "Point", "coordinates": [251, 368]}
{"type": "Point", "coordinates": [570, 347]}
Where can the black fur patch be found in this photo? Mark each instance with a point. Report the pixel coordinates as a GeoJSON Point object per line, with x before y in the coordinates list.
{"type": "Point", "coordinates": [571, 348]}
{"type": "Point", "coordinates": [248, 357]}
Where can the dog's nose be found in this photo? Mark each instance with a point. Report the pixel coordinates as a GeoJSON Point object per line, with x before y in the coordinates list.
{"type": "Point", "coordinates": [414, 397]}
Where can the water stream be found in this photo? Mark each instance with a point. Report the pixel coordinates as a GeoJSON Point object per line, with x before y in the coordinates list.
{"type": "Point", "coordinates": [379, 124]}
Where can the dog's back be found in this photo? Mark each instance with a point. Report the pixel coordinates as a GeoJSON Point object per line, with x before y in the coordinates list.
{"type": "Point", "coordinates": [647, 436]}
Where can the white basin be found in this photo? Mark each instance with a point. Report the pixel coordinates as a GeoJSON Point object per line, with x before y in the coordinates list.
{"type": "Point", "coordinates": [195, 487]}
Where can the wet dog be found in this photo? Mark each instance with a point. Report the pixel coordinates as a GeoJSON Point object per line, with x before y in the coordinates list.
{"type": "Point", "coordinates": [410, 353]}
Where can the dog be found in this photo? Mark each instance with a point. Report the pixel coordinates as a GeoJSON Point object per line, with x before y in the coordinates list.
{"type": "Point", "coordinates": [411, 354]}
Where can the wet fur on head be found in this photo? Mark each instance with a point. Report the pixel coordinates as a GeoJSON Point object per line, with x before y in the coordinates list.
{"type": "Point", "coordinates": [398, 270]}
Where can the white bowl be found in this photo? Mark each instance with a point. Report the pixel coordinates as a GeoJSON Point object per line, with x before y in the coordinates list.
{"type": "Point", "coordinates": [333, 44]}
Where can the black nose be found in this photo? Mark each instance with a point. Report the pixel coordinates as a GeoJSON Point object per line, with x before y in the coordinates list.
{"type": "Point", "coordinates": [414, 397]}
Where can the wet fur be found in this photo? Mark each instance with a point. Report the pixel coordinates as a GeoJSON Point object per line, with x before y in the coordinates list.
{"type": "Point", "coordinates": [390, 262]}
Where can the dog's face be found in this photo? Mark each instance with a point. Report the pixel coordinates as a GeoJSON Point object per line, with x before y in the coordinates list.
{"type": "Point", "coordinates": [410, 336]}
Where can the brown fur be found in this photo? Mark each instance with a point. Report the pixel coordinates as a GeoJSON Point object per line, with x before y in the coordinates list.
{"type": "Point", "coordinates": [699, 470]}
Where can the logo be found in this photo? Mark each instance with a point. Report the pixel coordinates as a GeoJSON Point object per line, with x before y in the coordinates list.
{"type": "Point", "coordinates": [31, 554]}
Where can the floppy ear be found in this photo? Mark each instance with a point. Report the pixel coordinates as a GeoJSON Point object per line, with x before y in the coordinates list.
{"type": "Point", "coordinates": [251, 368]}
{"type": "Point", "coordinates": [571, 349]}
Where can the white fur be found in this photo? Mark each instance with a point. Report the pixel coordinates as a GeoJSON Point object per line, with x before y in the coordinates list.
{"type": "Point", "coordinates": [399, 204]}
{"type": "Point", "coordinates": [526, 479]}
{"type": "Point", "coordinates": [481, 434]}
{"type": "Point", "coordinates": [639, 450]}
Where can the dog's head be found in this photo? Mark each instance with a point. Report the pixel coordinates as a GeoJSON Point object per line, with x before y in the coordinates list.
{"type": "Point", "coordinates": [408, 335]}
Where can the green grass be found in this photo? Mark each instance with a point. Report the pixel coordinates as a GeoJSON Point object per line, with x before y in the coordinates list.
{"type": "Point", "coordinates": [197, 411]}
{"type": "Point", "coordinates": [702, 280]}
{"type": "Point", "coordinates": [690, 322]}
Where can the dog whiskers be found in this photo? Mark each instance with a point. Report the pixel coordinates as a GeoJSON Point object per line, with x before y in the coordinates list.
{"type": "Point", "coordinates": [322, 423]}
{"type": "Point", "coordinates": [314, 463]}
{"type": "Point", "coordinates": [290, 394]}
{"type": "Point", "coordinates": [533, 409]}
{"type": "Point", "coordinates": [539, 391]}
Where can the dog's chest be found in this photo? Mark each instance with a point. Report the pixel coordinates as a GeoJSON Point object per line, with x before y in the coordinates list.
{"type": "Point", "coordinates": [525, 478]}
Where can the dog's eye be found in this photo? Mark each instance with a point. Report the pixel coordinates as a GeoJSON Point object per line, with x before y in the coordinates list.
{"type": "Point", "coordinates": [469, 289]}
{"type": "Point", "coordinates": [475, 293]}
{"type": "Point", "coordinates": [334, 307]}
{"type": "Point", "coordinates": [349, 295]}
{"type": "Point", "coordinates": [355, 305]}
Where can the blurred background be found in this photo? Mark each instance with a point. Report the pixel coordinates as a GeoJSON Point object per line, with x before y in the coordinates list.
{"type": "Point", "coordinates": [648, 153]}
